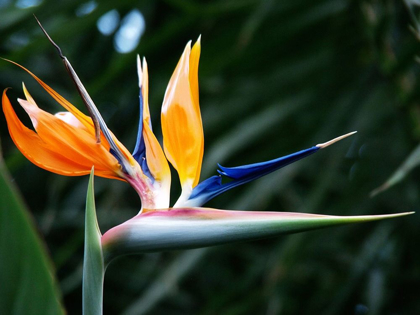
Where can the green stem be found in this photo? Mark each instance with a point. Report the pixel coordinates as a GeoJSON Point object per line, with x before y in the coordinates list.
{"type": "Point", "coordinates": [93, 264]}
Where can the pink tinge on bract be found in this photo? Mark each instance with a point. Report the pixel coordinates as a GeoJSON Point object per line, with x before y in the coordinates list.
{"type": "Point", "coordinates": [185, 228]}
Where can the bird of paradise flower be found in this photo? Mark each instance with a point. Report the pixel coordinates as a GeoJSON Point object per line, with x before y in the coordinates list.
{"type": "Point", "coordinates": [71, 143]}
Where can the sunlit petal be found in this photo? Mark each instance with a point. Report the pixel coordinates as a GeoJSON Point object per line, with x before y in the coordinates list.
{"type": "Point", "coordinates": [69, 118]}
{"type": "Point", "coordinates": [56, 158]}
{"type": "Point", "coordinates": [73, 136]}
{"type": "Point", "coordinates": [181, 119]}
{"type": "Point", "coordinates": [84, 119]}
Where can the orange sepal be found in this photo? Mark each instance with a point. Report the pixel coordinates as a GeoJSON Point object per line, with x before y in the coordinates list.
{"type": "Point", "coordinates": [57, 146]}
{"type": "Point", "coordinates": [156, 160]}
{"type": "Point", "coordinates": [182, 127]}
{"type": "Point", "coordinates": [84, 119]}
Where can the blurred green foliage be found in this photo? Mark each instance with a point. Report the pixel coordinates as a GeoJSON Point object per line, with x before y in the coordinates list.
{"type": "Point", "coordinates": [275, 77]}
{"type": "Point", "coordinates": [28, 286]}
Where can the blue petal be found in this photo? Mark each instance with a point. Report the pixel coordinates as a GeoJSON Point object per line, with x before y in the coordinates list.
{"type": "Point", "coordinates": [139, 153]}
{"type": "Point", "coordinates": [239, 175]}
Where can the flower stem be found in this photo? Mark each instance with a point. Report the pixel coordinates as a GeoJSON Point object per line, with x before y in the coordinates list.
{"type": "Point", "coordinates": [93, 264]}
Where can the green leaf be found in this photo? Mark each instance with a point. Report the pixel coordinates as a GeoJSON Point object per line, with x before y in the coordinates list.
{"type": "Point", "coordinates": [27, 280]}
{"type": "Point", "coordinates": [93, 264]}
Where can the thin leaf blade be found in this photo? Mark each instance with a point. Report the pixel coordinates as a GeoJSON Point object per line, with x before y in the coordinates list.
{"type": "Point", "coordinates": [93, 264]}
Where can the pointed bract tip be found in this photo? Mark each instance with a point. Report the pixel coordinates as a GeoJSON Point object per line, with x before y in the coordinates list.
{"type": "Point", "coordinates": [197, 44]}
{"type": "Point", "coordinates": [138, 60]}
{"type": "Point", "coordinates": [139, 71]}
{"type": "Point", "coordinates": [328, 143]}
{"type": "Point", "coordinates": [405, 213]}
{"type": "Point", "coordinates": [27, 95]}
{"type": "Point", "coordinates": [394, 215]}
{"type": "Point", "coordinates": [50, 39]}
{"type": "Point", "coordinates": [188, 44]}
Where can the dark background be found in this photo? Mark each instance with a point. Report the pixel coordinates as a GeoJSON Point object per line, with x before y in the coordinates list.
{"type": "Point", "coordinates": [275, 77]}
